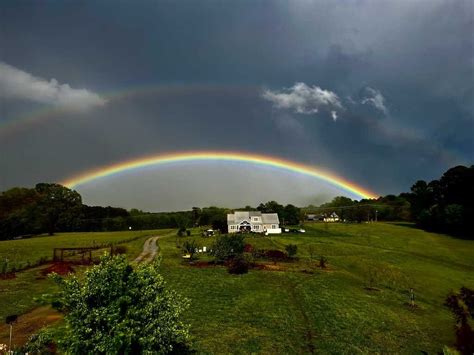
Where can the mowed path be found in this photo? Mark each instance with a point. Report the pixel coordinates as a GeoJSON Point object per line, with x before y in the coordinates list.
{"type": "Point", "coordinates": [150, 249]}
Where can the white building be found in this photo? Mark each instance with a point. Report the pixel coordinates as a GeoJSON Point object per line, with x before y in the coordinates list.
{"type": "Point", "coordinates": [333, 217]}
{"type": "Point", "coordinates": [253, 221]}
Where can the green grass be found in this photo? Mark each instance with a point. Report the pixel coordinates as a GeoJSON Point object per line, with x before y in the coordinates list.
{"type": "Point", "coordinates": [290, 311]}
{"type": "Point", "coordinates": [329, 311]}
{"type": "Point", "coordinates": [25, 291]}
{"type": "Point", "coordinates": [23, 251]}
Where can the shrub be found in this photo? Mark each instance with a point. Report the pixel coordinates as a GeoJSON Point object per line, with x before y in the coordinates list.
{"type": "Point", "coordinates": [291, 250]}
{"type": "Point", "coordinates": [228, 246]}
{"type": "Point", "coordinates": [462, 306]}
{"type": "Point", "coordinates": [323, 261]}
{"type": "Point", "coordinates": [41, 343]}
{"type": "Point", "coordinates": [238, 266]}
{"type": "Point", "coordinates": [119, 309]}
{"type": "Point", "coordinates": [189, 247]}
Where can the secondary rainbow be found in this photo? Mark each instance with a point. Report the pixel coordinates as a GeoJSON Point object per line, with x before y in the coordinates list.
{"type": "Point", "coordinates": [262, 160]}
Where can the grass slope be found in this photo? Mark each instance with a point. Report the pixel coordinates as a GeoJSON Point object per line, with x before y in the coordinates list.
{"type": "Point", "coordinates": [290, 311]}
{"type": "Point", "coordinates": [22, 293]}
{"type": "Point", "coordinates": [330, 311]}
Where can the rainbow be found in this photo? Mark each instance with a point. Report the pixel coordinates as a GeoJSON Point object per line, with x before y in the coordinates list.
{"type": "Point", "coordinates": [43, 114]}
{"type": "Point", "coordinates": [262, 160]}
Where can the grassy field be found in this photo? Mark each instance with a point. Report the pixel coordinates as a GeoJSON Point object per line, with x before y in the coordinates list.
{"type": "Point", "coordinates": [329, 311]}
{"type": "Point", "coordinates": [298, 307]}
{"type": "Point", "coordinates": [25, 291]}
{"type": "Point", "coordinates": [23, 251]}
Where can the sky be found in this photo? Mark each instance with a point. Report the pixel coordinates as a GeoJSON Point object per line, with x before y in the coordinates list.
{"type": "Point", "coordinates": [380, 93]}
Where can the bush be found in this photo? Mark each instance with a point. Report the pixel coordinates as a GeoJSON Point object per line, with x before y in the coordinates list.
{"type": "Point", "coordinates": [228, 246]}
{"type": "Point", "coordinates": [462, 306]}
{"type": "Point", "coordinates": [291, 250]}
{"type": "Point", "coordinates": [119, 309]}
{"type": "Point", "coordinates": [188, 233]}
{"type": "Point", "coordinates": [238, 266]}
{"type": "Point", "coordinates": [41, 343]}
{"type": "Point", "coordinates": [189, 247]}
{"type": "Point", "coordinates": [323, 261]}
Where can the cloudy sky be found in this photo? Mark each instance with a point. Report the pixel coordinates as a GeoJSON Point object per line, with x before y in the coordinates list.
{"type": "Point", "coordinates": [380, 93]}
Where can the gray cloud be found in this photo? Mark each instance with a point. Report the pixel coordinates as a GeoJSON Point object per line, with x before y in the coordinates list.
{"type": "Point", "coordinates": [375, 98]}
{"type": "Point", "coordinates": [303, 99]}
{"type": "Point", "coordinates": [18, 84]}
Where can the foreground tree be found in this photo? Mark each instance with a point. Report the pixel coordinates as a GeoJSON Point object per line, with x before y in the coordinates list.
{"type": "Point", "coordinates": [119, 309]}
{"type": "Point", "coordinates": [462, 306]}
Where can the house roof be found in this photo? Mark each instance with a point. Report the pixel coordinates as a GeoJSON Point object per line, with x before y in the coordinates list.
{"type": "Point", "coordinates": [240, 216]}
{"type": "Point", "coordinates": [270, 218]}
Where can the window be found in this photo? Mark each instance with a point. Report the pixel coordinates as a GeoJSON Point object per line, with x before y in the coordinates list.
{"type": "Point", "coordinates": [273, 226]}
{"type": "Point", "coordinates": [257, 227]}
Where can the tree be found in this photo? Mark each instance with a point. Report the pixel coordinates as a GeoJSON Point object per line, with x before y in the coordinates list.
{"type": "Point", "coordinates": [58, 206]}
{"type": "Point", "coordinates": [462, 306]}
{"type": "Point", "coordinates": [228, 246]}
{"type": "Point", "coordinates": [117, 308]}
{"type": "Point", "coordinates": [291, 250]}
{"type": "Point", "coordinates": [291, 214]}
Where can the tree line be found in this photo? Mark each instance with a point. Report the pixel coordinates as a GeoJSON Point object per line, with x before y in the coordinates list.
{"type": "Point", "coordinates": [443, 205]}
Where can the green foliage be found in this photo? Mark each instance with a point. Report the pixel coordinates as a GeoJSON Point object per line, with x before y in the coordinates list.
{"type": "Point", "coordinates": [238, 265]}
{"type": "Point", "coordinates": [190, 246]}
{"type": "Point", "coordinates": [289, 214]}
{"type": "Point", "coordinates": [445, 205]}
{"type": "Point", "coordinates": [41, 343]}
{"type": "Point", "coordinates": [116, 308]}
{"type": "Point", "coordinates": [291, 250]}
{"type": "Point", "coordinates": [461, 304]}
{"type": "Point", "coordinates": [228, 246]}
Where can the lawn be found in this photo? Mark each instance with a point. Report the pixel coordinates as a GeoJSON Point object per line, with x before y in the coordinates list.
{"type": "Point", "coordinates": [25, 291]}
{"type": "Point", "coordinates": [329, 311]}
{"type": "Point", "coordinates": [357, 305]}
{"type": "Point", "coordinates": [21, 252]}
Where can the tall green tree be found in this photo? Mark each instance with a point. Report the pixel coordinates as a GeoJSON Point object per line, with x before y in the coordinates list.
{"type": "Point", "coordinates": [58, 206]}
{"type": "Point", "coordinates": [120, 309]}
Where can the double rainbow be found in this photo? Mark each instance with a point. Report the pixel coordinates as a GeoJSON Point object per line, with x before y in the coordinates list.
{"type": "Point", "coordinates": [261, 160]}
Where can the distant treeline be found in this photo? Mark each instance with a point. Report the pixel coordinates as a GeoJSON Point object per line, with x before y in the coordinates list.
{"type": "Point", "coordinates": [443, 205]}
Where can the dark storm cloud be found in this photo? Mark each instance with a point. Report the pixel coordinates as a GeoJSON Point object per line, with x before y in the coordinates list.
{"type": "Point", "coordinates": [402, 71]}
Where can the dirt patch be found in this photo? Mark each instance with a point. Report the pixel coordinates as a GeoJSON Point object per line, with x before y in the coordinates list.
{"type": "Point", "coordinates": [8, 276]}
{"type": "Point", "coordinates": [273, 267]}
{"type": "Point", "coordinates": [28, 324]}
{"type": "Point", "coordinates": [202, 264]}
{"type": "Point", "coordinates": [61, 268]}
{"type": "Point", "coordinates": [275, 254]}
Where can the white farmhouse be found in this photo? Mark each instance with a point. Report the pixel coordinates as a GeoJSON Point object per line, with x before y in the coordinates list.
{"type": "Point", "coordinates": [333, 217]}
{"type": "Point", "coordinates": [253, 221]}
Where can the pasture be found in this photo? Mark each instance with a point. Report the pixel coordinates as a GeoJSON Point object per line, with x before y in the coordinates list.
{"type": "Point", "coordinates": [358, 304]}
